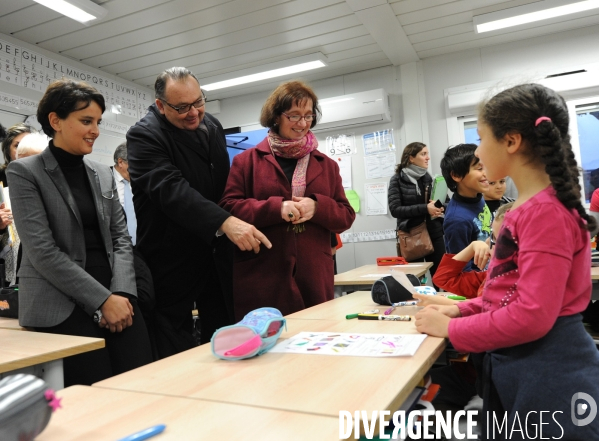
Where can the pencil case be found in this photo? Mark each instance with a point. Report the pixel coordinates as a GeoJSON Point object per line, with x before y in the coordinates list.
{"type": "Point", "coordinates": [26, 405]}
{"type": "Point", "coordinates": [254, 335]}
{"type": "Point", "coordinates": [391, 260]}
{"type": "Point", "coordinates": [387, 290]}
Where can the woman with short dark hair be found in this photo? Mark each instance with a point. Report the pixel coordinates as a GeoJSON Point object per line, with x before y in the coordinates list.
{"type": "Point", "coordinates": [77, 275]}
{"type": "Point", "coordinates": [293, 194]}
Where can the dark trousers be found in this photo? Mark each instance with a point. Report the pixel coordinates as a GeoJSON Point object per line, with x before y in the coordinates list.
{"type": "Point", "coordinates": [172, 326]}
{"type": "Point", "coordinates": [435, 256]}
{"type": "Point", "coordinates": [458, 385]}
{"type": "Point", "coordinates": [124, 350]}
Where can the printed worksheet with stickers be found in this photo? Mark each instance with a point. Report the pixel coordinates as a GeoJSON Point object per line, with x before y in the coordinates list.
{"type": "Point", "coordinates": [362, 345]}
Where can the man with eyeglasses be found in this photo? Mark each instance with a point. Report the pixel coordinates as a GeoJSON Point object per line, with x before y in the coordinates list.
{"type": "Point", "coordinates": [178, 163]}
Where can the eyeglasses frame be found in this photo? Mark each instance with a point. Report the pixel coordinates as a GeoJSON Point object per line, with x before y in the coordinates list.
{"type": "Point", "coordinates": [300, 117]}
{"type": "Point", "coordinates": [178, 109]}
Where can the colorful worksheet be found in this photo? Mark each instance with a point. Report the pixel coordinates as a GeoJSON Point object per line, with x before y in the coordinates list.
{"type": "Point", "coordinates": [361, 345]}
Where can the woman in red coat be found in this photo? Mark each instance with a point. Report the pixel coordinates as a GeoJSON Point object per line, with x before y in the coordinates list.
{"type": "Point", "coordinates": [291, 192]}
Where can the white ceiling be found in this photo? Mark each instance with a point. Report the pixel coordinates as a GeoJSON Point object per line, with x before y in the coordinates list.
{"type": "Point", "coordinates": [139, 38]}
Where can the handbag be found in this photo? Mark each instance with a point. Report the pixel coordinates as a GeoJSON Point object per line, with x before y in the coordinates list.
{"type": "Point", "coordinates": [9, 302]}
{"type": "Point", "coordinates": [416, 243]}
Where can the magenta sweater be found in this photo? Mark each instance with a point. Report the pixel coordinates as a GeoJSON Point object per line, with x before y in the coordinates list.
{"type": "Point", "coordinates": [540, 271]}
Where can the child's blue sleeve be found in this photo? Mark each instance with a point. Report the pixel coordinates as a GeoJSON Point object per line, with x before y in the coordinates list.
{"type": "Point", "coordinates": [458, 235]}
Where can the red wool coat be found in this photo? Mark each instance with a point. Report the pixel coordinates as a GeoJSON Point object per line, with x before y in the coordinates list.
{"type": "Point", "coordinates": [298, 271]}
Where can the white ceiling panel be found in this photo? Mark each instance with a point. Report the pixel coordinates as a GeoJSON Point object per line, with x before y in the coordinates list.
{"type": "Point", "coordinates": [461, 43]}
{"type": "Point", "coordinates": [242, 59]}
{"type": "Point", "coordinates": [225, 33]}
{"type": "Point", "coordinates": [438, 23]}
{"type": "Point", "coordinates": [44, 33]}
{"type": "Point", "coordinates": [139, 38]}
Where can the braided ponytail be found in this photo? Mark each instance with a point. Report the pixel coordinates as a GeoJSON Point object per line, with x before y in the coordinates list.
{"type": "Point", "coordinates": [540, 115]}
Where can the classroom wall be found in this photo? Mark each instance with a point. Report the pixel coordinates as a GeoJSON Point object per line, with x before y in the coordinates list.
{"type": "Point", "coordinates": [523, 61]}
{"type": "Point", "coordinates": [244, 111]}
{"type": "Point", "coordinates": [107, 141]}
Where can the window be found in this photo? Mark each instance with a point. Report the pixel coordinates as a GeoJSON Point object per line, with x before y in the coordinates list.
{"type": "Point", "coordinates": [584, 128]}
{"type": "Point", "coordinates": [587, 121]}
{"type": "Point", "coordinates": [470, 133]}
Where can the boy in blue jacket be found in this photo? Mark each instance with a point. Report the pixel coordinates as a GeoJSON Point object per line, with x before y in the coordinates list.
{"type": "Point", "coordinates": [467, 217]}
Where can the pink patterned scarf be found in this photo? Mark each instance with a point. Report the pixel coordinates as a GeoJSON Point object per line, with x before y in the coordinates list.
{"type": "Point", "coordinates": [300, 150]}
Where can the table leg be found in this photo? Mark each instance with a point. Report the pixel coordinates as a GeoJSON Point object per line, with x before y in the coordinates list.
{"type": "Point", "coordinates": [53, 374]}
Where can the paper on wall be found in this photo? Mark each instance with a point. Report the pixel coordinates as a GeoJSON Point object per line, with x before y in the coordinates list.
{"type": "Point", "coordinates": [376, 198]}
{"type": "Point", "coordinates": [379, 166]}
{"type": "Point", "coordinates": [344, 163]}
{"type": "Point", "coordinates": [378, 142]}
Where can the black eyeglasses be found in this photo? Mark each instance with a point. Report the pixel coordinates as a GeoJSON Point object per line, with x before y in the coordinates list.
{"type": "Point", "coordinates": [492, 241]}
{"type": "Point", "coordinates": [187, 107]}
{"type": "Point", "coordinates": [298, 118]}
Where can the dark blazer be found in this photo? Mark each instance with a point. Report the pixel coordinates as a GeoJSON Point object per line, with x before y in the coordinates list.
{"type": "Point", "coordinates": [176, 186]}
{"type": "Point", "coordinates": [409, 208]}
{"type": "Point", "coordinates": [297, 272]}
{"type": "Point", "coordinates": [52, 274]}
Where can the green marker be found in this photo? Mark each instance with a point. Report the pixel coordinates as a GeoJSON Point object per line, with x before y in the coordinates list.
{"type": "Point", "coordinates": [351, 316]}
{"type": "Point", "coordinates": [456, 297]}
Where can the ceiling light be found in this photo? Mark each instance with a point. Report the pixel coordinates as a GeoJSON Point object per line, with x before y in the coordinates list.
{"type": "Point", "coordinates": [82, 11]}
{"type": "Point", "coordinates": [264, 72]}
{"type": "Point", "coordinates": [542, 10]}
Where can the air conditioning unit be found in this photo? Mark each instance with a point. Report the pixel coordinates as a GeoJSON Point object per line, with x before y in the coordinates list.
{"type": "Point", "coordinates": [355, 109]}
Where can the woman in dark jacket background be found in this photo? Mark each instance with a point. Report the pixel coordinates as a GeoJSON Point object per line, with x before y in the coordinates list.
{"type": "Point", "coordinates": [407, 190]}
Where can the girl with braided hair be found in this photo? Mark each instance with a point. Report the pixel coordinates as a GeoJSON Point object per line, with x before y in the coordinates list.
{"type": "Point", "coordinates": [538, 365]}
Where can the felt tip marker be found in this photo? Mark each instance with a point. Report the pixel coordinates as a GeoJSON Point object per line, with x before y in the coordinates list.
{"type": "Point", "coordinates": [145, 434]}
{"type": "Point", "coordinates": [456, 297]}
{"type": "Point", "coordinates": [413, 303]}
{"type": "Point", "coordinates": [394, 318]}
{"type": "Point", "coordinates": [353, 316]}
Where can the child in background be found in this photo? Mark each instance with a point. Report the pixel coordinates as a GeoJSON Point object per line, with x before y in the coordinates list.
{"type": "Point", "coordinates": [450, 275]}
{"type": "Point", "coordinates": [595, 201]}
{"type": "Point", "coordinates": [494, 196]}
{"type": "Point", "coordinates": [538, 359]}
{"type": "Point", "coordinates": [467, 217]}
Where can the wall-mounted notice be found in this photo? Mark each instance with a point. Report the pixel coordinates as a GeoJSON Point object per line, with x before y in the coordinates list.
{"type": "Point", "coordinates": [353, 198]}
{"type": "Point", "coordinates": [368, 236]}
{"type": "Point", "coordinates": [114, 126]}
{"type": "Point", "coordinates": [376, 198]}
{"type": "Point", "coordinates": [344, 163]}
{"type": "Point", "coordinates": [18, 102]}
{"type": "Point", "coordinates": [379, 166]}
{"type": "Point", "coordinates": [35, 71]}
{"type": "Point", "coordinates": [341, 145]}
{"type": "Point", "coordinates": [378, 142]}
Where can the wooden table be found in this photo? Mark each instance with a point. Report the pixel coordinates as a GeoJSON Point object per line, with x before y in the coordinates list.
{"type": "Point", "coordinates": [363, 277]}
{"type": "Point", "coordinates": [91, 413]}
{"type": "Point", "coordinates": [359, 301]}
{"type": "Point", "coordinates": [316, 384]}
{"type": "Point", "coordinates": [20, 350]}
{"type": "Point", "coordinates": [11, 323]}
